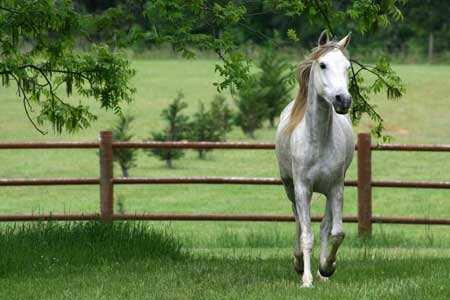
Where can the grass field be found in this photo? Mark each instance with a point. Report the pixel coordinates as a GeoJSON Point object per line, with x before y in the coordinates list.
{"type": "Point", "coordinates": [223, 260]}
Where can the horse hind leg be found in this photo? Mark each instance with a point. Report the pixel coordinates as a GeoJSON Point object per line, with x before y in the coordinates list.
{"type": "Point", "coordinates": [328, 268]}
{"type": "Point", "coordinates": [302, 203]}
{"type": "Point", "coordinates": [298, 253]}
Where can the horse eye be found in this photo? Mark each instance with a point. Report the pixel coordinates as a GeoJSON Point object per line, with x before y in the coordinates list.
{"type": "Point", "coordinates": [323, 66]}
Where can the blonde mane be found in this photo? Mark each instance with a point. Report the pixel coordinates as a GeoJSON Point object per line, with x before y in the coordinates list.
{"type": "Point", "coordinates": [303, 71]}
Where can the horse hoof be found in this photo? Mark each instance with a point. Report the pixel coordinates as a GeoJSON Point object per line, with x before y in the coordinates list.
{"type": "Point", "coordinates": [307, 285]}
{"type": "Point", "coordinates": [322, 278]}
{"type": "Point", "coordinates": [327, 272]}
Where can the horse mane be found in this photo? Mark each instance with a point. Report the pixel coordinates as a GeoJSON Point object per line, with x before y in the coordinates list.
{"type": "Point", "coordinates": [303, 71]}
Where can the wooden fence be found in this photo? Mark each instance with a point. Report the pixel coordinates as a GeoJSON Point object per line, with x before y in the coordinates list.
{"type": "Point", "coordinates": [106, 181]}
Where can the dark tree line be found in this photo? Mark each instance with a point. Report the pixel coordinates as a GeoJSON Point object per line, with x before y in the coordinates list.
{"type": "Point", "coordinates": [425, 26]}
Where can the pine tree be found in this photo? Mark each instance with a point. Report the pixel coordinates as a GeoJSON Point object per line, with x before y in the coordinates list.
{"type": "Point", "coordinates": [125, 157]}
{"type": "Point", "coordinates": [251, 110]}
{"type": "Point", "coordinates": [276, 82]}
{"type": "Point", "coordinates": [221, 115]}
{"type": "Point", "coordinates": [211, 125]}
{"type": "Point", "coordinates": [176, 130]}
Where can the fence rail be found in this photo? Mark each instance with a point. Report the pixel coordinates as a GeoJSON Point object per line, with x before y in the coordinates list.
{"type": "Point", "coordinates": [106, 182]}
{"type": "Point", "coordinates": [212, 217]}
{"type": "Point", "coordinates": [207, 180]}
{"type": "Point", "coordinates": [205, 145]}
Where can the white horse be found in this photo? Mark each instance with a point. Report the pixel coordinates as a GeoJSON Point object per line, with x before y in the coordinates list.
{"type": "Point", "coordinates": [314, 147]}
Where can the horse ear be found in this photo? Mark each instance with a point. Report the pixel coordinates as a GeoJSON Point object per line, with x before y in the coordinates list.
{"type": "Point", "coordinates": [323, 38]}
{"type": "Point", "coordinates": [345, 41]}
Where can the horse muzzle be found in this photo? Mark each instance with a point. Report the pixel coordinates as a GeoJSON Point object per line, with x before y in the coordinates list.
{"type": "Point", "coordinates": [342, 103]}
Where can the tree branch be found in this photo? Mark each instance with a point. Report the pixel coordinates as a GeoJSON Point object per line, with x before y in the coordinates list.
{"type": "Point", "coordinates": [26, 102]}
{"type": "Point", "coordinates": [363, 67]}
{"type": "Point", "coordinates": [325, 17]}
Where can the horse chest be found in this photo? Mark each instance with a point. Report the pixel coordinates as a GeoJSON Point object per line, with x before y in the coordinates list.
{"type": "Point", "coordinates": [321, 169]}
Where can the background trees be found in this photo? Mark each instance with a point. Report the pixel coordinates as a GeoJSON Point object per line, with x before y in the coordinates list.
{"type": "Point", "coordinates": [211, 125]}
{"type": "Point", "coordinates": [429, 20]}
{"type": "Point", "coordinates": [276, 81]}
{"type": "Point", "coordinates": [40, 42]}
{"type": "Point", "coordinates": [176, 130]}
{"type": "Point", "coordinates": [222, 26]}
{"type": "Point", "coordinates": [125, 157]}
{"type": "Point", "coordinates": [251, 109]}
{"type": "Point", "coordinates": [268, 19]}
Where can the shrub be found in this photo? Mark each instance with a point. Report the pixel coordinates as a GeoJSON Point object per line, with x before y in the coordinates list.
{"type": "Point", "coordinates": [276, 82]}
{"type": "Point", "coordinates": [176, 130]}
{"type": "Point", "coordinates": [251, 109]}
{"type": "Point", "coordinates": [125, 157]}
{"type": "Point", "coordinates": [211, 125]}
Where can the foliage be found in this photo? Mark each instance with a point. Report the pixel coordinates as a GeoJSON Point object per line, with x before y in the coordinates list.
{"type": "Point", "coordinates": [38, 39]}
{"type": "Point", "coordinates": [251, 110]}
{"type": "Point", "coordinates": [176, 130]}
{"type": "Point", "coordinates": [116, 24]}
{"type": "Point", "coordinates": [212, 25]}
{"type": "Point", "coordinates": [385, 78]}
{"type": "Point", "coordinates": [276, 82]}
{"type": "Point", "coordinates": [121, 22]}
{"type": "Point", "coordinates": [37, 45]}
{"type": "Point", "coordinates": [428, 18]}
{"type": "Point", "coordinates": [211, 125]}
{"type": "Point", "coordinates": [125, 157]}
{"type": "Point", "coordinates": [221, 114]}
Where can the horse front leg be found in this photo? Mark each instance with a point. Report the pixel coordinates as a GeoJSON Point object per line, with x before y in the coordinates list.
{"type": "Point", "coordinates": [328, 254]}
{"type": "Point", "coordinates": [302, 209]}
{"type": "Point", "coordinates": [325, 231]}
{"type": "Point", "coordinates": [298, 253]}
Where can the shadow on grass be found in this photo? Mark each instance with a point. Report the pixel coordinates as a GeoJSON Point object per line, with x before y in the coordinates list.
{"type": "Point", "coordinates": [38, 246]}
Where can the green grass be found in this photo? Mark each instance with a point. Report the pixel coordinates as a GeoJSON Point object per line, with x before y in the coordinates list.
{"type": "Point", "coordinates": [222, 259]}
{"type": "Point", "coordinates": [135, 261]}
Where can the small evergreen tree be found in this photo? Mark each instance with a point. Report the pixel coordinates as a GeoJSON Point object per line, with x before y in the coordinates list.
{"type": "Point", "coordinates": [211, 125]}
{"type": "Point", "coordinates": [251, 109]}
{"type": "Point", "coordinates": [221, 115]}
{"type": "Point", "coordinates": [202, 129]}
{"type": "Point", "coordinates": [176, 130]}
{"type": "Point", "coordinates": [276, 82]}
{"type": "Point", "coordinates": [125, 157]}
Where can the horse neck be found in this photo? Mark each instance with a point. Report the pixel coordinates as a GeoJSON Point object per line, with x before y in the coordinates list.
{"type": "Point", "coordinates": [318, 118]}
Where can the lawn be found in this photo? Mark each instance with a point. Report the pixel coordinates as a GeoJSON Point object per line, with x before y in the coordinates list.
{"type": "Point", "coordinates": [134, 261]}
{"type": "Point", "coordinates": [226, 259]}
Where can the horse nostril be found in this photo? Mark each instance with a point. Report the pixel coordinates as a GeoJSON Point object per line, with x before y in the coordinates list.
{"type": "Point", "coordinates": [338, 98]}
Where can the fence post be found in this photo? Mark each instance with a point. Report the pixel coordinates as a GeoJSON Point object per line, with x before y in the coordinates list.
{"type": "Point", "coordinates": [106, 176]}
{"type": "Point", "coordinates": [364, 185]}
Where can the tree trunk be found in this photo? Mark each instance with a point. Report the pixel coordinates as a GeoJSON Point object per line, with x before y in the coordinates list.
{"type": "Point", "coordinates": [124, 171]}
{"type": "Point", "coordinates": [251, 134]}
{"type": "Point", "coordinates": [169, 162]}
{"type": "Point", "coordinates": [272, 121]}
{"type": "Point", "coordinates": [430, 47]}
{"type": "Point", "coordinates": [201, 154]}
